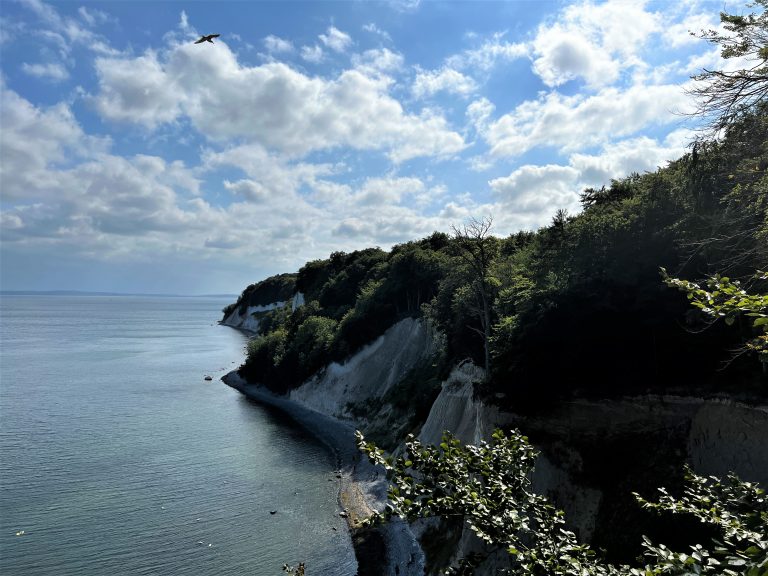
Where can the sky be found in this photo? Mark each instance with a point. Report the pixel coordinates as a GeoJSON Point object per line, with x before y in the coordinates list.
{"type": "Point", "coordinates": [134, 160]}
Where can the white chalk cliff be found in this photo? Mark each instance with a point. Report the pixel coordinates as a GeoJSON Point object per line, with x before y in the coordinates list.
{"type": "Point", "coordinates": [370, 373]}
{"type": "Point", "coordinates": [249, 320]}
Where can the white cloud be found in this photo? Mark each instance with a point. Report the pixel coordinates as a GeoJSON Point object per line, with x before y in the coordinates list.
{"type": "Point", "coordinates": [65, 31]}
{"type": "Point", "coordinates": [249, 189]}
{"type": "Point", "coordinates": [479, 114]}
{"type": "Point", "coordinates": [429, 82]}
{"type": "Point", "coordinates": [277, 45]}
{"type": "Point", "coordinates": [272, 104]}
{"type": "Point", "coordinates": [378, 61]}
{"type": "Point", "coordinates": [51, 71]}
{"type": "Point", "coordinates": [639, 155]}
{"type": "Point", "coordinates": [32, 140]}
{"type": "Point", "coordinates": [313, 54]}
{"type": "Point", "coordinates": [374, 29]}
{"type": "Point", "coordinates": [564, 56]}
{"type": "Point", "coordinates": [493, 51]}
{"type": "Point", "coordinates": [93, 16]}
{"type": "Point", "coordinates": [594, 42]}
{"type": "Point", "coordinates": [335, 39]}
{"type": "Point", "coordinates": [184, 22]}
{"type": "Point", "coordinates": [388, 191]}
{"type": "Point", "coordinates": [269, 175]}
{"type": "Point", "coordinates": [572, 123]}
{"type": "Point", "coordinates": [137, 90]}
{"type": "Point", "coordinates": [538, 191]}
{"type": "Point", "coordinates": [404, 5]}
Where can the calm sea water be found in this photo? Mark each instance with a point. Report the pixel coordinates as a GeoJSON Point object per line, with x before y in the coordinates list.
{"type": "Point", "coordinates": [117, 457]}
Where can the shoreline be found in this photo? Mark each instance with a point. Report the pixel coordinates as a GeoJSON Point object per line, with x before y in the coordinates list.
{"type": "Point", "coordinates": [362, 487]}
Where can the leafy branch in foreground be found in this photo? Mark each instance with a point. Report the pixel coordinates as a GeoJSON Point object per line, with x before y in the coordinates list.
{"type": "Point", "coordinates": [489, 487]}
{"type": "Point", "coordinates": [739, 509]}
{"type": "Point", "coordinates": [721, 297]}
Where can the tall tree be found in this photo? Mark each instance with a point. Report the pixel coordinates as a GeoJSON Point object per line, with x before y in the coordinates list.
{"type": "Point", "coordinates": [477, 248]}
{"type": "Point", "coordinates": [723, 95]}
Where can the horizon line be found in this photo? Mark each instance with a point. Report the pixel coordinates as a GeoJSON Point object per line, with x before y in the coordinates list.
{"type": "Point", "coordinates": [105, 293]}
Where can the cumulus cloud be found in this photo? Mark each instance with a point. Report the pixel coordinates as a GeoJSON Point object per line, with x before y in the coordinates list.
{"type": "Point", "coordinates": [378, 61]}
{"type": "Point", "coordinates": [594, 42]}
{"type": "Point", "coordinates": [563, 56]}
{"type": "Point", "coordinates": [538, 191]}
{"type": "Point", "coordinates": [269, 175]}
{"type": "Point", "coordinates": [313, 54]}
{"type": "Point", "coordinates": [50, 71]}
{"type": "Point", "coordinates": [272, 104]}
{"type": "Point", "coordinates": [492, 51]}
{"type": "Point", "coordinates": [32, 140]}
{"type": "Point", "coordinates": [429, 82]}
{"type": "Point", "coordinates": [479, 114]}
{"type": "Point", "coordinates": [571, 123]}
{"type": "Point", "coordinates": [388, 191]}
{"type": "Point", "coordinates": [276, 45]}
{"type": "Point", "coordinates": [137, 90]}
{"type": "Point", "coordinates": [335, 39]}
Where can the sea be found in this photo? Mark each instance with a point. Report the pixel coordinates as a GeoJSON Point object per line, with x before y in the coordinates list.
{"type": "Point", "coordinates": [118, 457]}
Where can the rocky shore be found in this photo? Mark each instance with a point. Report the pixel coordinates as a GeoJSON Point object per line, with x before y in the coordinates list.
{"type": "Point", "coordinates": [388, 550]}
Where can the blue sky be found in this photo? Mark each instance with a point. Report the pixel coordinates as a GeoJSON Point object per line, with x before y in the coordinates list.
{"type": "Point", "coordinates": [133, 160]}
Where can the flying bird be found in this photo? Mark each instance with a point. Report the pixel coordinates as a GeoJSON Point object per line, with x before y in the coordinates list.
{"type": "Point", "coordinates": [208, 38]}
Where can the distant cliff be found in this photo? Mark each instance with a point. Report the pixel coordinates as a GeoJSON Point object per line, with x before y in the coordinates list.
{"type": "Point", "coordinates": [270, 294]}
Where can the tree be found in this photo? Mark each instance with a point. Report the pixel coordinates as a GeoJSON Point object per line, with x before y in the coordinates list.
{"type": "Point", "coordinates": [724, 298]}
{"type": "Point", "coordinates": [477, 248]}
{"type": "Point", "coordinates": [723, 95]}
{"type": "Point", "coordinates": [489, 487]}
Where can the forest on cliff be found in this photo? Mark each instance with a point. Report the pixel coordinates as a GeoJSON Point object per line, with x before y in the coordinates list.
{"type": "Point", "coordinates": [578, 306]}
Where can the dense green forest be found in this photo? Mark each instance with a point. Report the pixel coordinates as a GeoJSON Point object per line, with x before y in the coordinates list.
{"type": "Point", "coordinates": [576, 306]}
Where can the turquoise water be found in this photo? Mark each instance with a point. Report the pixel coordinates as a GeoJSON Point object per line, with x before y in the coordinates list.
{"type": "Point", "coordinates": [117, 457]}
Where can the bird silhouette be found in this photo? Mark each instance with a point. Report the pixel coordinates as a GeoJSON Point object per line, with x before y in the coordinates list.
{"type": "Point", "coordinates": [208, 38]}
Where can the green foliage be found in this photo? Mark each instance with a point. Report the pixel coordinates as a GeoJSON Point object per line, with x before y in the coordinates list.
{"type": "Point", "coordinates": [739, 510]}
{"type": "Point", "coordinates": [278, 288]}
{"type": "Point", "coordinates": [351, 299]}
{"type": "Point", "coordinates": [489, 488]}
{"type": "Point", "coordinates": [721, 297]}
{"type": "Point", "coordinates": [723, 95]}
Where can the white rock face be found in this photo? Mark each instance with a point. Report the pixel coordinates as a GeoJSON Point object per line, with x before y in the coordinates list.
{"type": "Point", "coordinates": [247, 321]}
{"type": "Point", "coordinates": [250, 323]}
{"type": "Point", "coordinates": [370, 373]}
{"type": "Point", "coordinates": [456, 411]}
{"type": "Point", "coordinates": [729, 436]}
{"type": "Point", "coordinates": [722, 436]}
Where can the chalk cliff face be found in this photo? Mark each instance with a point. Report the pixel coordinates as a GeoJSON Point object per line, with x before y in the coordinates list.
{"type": "Point", "coordinates": [249, 319]}
{"type": "Point", "coordinates": [595, 452]}
{"type": "Point", "coordinates": [370, 373]}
